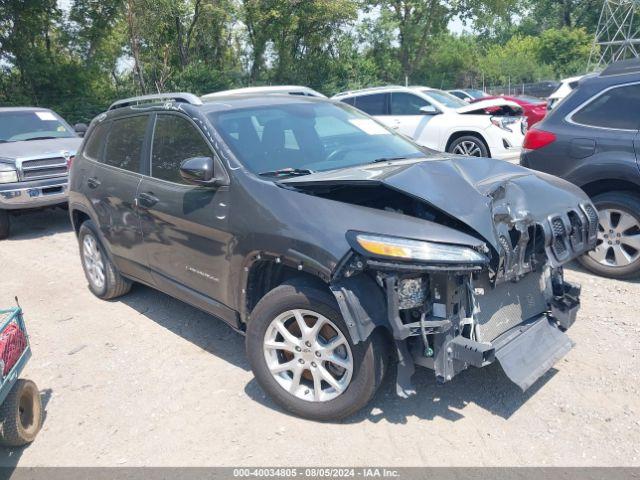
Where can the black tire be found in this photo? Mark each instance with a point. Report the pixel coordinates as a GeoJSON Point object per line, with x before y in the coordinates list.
{"type": "Point", "coordinates": [21, 414]}
{"type": "Point", "coordinates": [370, 358]}
{"type": "Point", "coordinates": [114, 285]}
{"type": "Point", "coordinates": [628, 203]}
{"type": "Point", "coordinates": [5, 224]}
{"type": "Point", "coordinates": [479, 147]}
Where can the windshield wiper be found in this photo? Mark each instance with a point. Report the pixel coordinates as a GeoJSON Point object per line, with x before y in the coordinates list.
{"type": "Point", "coordinates": [39, 138]}
{"type": "Point", "coordinates": [287, 172]}
{"type": "Point", "coordinates": [393, 159]}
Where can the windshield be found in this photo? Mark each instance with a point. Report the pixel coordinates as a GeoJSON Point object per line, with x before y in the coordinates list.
{"type": "Point", "coordinates": [29, 125]}
{"type": "Point", "coordinates": [533, 100]}
{"type": "Point", "coordinates": [476, 93]}
{"type": "Point", "coordinates": [445, 99]}
{"type": "Point", "coordinates": [303, 137]}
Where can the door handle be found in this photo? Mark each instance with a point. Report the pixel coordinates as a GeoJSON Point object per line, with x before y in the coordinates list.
{"type": "Point", "coordinates": [93, 182]}
{"type": "Point", "coordinates": [147, 200]}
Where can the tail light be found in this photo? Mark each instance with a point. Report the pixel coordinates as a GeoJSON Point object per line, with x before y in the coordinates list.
{"type": "Point", "coordinates": [535, 139]}
{"type": "Point", "coordinates": [70, 161]}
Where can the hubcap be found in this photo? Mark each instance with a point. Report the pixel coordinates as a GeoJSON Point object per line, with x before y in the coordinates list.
{"type": "Point", "coordinates": [308, 355]}
{"type": "Point", "coordinates": [618, 242]}
{"type": "Point", "coordinates": [468, 148]}
{"type": "Point", "coordinates": [93, 261]}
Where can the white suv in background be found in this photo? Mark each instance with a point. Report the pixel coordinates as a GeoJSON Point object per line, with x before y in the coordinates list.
{"type": "Point", "coordinates": [438, 120]}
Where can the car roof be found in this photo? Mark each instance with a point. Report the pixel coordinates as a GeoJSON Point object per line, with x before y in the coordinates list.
{"type": "Point", "coordinates": [232, 102]}
{"type": "Point", "coordinates": [382, 89]}
{"type": "Point", "coordinates": [264, 89]}
{"type": "Point", "coordinates": [24, 109]}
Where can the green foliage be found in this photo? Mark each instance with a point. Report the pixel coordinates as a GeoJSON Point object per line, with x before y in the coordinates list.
{"type": "Point", "coordinates": [80, 60]}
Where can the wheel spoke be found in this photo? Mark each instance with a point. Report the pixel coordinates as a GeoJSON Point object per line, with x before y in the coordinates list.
{"type": "Point", "coordinates": [600, 253]}
{"type": "Point", "coordinates": [295, 382]}
{"type": "Point", "coordinates": [284, 367]}
{"type": "Point", "coordinates": [313, 331]}
{"type": "Point", "coordinates": [604, 218]}
{"type": "Point", "coordinates": [279, 346]}
{"type": "Point", "coordinates": [632, 240]}
{"type": "Point", "coordinates": [297, 314]}
{"type": "Point", "coordinates": [622, 257]}
{"type": "Point", "coordinates": [625, 223]}
{"type": "Point", "coordinates": [317, 384]}
{"type": "Point", "coordinates": [330, 379]}
{"type": "Point", "coordinates": [340, 362]}
{"type": "Point", "coordinates": [287, 335]}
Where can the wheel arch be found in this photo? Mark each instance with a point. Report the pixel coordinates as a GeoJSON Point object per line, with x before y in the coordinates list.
{"type": "Point", "coordinates": [597, 187]}
{"type": "Point", "coordinates": [464, 133]}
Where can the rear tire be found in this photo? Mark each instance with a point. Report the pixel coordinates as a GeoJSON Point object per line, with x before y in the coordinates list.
{"type": "Point", "coordinates": [469, 145]}
{"type": "Point", "coordinates": [105, 281]}
{"type": "Point", "coordinates": [617, 254]}
{"type": "Point", "coordinates": [5, 224]}
{"type": "Point", "coordinates": [368, 359]}
{"type": "Point", "coordinates": [21, 414]}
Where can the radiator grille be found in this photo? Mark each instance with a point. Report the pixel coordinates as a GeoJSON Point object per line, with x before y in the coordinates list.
{"type": "Point", "coordinates": [508, 305]}
{"type": "Point", "coordinates": [44, 168]}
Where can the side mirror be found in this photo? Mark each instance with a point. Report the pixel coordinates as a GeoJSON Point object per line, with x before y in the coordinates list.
{"type": "Point", "coordinates": [429, 110]}
{"type": "Point", "coordinates": [198, 171]}
{"type": "Point", "coordinates": [80, 128]}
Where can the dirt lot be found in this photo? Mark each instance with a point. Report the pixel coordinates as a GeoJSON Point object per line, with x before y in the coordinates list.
{"type": "Point", "coordinates": [148, 380]}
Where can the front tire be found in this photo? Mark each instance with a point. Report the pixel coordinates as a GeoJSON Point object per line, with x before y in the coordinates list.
{"type": "Point", "coordinates": [105, 281]}
{"type": "Point", "coordinates": [470, 146]}
{"type": "Point", "coordinates": [302, 355]}
{"type": "Point", "coordinates": [617, 253]}
{"type": "Point", "coordinates": [5, 224]}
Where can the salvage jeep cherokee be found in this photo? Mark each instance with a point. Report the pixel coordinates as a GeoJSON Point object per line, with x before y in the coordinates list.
{"type": "Point", "coordinates": [332, 242]}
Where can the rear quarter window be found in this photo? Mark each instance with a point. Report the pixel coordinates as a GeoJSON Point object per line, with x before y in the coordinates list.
{"type": "Point", "coordinates": [372, 104]}
{"type": "Point", "coordinates": [95, 142]}
{"type": "Point", "coordinates": [616, 108]}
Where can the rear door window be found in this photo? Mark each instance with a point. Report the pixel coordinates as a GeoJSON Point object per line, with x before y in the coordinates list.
{"type": "Point", "coordinates": [125, 141]}
{"type": "Point", "coordinates": [617, 108]}
{"type": "Point", "coordinates": [175, 139]}
{"type": "Point", "coordinates": [372, 104]}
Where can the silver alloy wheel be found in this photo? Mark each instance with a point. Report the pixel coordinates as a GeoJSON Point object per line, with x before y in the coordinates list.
{"type": "Point", "coordinates": [469, 148]}
{"type": "Point", "coordinates": [93, 261]}
{"type": "Point", "coordinates": [308, 355]}
{"type": "Point", "coordinates": [618, 238]}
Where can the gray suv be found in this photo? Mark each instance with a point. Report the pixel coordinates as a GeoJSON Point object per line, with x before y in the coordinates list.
{"type": "Point", "coordinates": [333, 243]}
{"type": "Point", "coordinates": [591, 139]}
{"type": "Point", "coordinates": [36, 146]}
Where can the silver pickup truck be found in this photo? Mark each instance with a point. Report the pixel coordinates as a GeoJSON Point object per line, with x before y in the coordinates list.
{"type": "Point", "coordinates": [36, 146]}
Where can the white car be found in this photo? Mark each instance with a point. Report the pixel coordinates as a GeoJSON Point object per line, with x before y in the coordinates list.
{"type": "Point", "coordinates": [438, 120]}
{"type": "Point", "coordinates": [566, 87]}
{"type": "Point", "coordinates": [468, 94]}
{"type": "Point", "coordinates": [271, 90]}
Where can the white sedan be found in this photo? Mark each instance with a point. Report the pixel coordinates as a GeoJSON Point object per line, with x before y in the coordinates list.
{"type": "Point", "coordinates": [438, 120]}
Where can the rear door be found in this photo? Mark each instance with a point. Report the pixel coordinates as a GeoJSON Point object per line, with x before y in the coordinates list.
{"type": "Point", "coordinates": [406, 117]}
{"type": "Point", "coordinates": [185, 227]}
{"type": "Point", "coordinates": [376, 105]}
{"type": "Point", "coordinates": [112, 185]}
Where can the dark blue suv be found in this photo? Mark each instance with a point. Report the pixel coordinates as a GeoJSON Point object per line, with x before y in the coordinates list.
{"type": "Point", "coordinates": [591, 139]}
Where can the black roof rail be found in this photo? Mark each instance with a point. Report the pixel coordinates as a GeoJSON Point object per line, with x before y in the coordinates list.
{"type": "Point", "coordinates": [179, 97]}
{"type": "Point", "coordinates": [622, 67]}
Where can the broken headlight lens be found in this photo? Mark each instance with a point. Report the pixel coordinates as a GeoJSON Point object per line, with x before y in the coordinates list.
{"type": "Point", "coordinates": [8, 174]}
{"type": "Point", "coordinates": [406, 249]}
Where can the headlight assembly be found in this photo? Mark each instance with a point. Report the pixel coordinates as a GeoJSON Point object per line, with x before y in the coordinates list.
{"type": "Point", "coordinates": [505, 123]}
{"type": "Point", "coordinates": [8, 174]}
{"type": "Point", "coordinates": [405, 249]}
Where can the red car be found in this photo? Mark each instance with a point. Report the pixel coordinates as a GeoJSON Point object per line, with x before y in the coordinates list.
{"type": "Point", "coordinates": [534, 108]}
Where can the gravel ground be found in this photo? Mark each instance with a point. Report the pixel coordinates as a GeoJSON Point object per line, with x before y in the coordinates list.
{"type": "Point", "coordinates": [148, 380]}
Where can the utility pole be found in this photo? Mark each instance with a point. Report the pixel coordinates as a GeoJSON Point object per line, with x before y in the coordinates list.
{"type": "Point", "coordinates": [618, 33]}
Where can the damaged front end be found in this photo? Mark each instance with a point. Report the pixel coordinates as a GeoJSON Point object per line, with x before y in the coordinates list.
{"type": "Point", "coordinates": [481, 304]}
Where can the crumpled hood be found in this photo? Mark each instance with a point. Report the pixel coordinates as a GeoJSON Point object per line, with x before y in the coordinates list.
{"type": "Point", "coordinates": [12, 151]}
{"type": "Point", "coordinates": [491, 103]}
{"type": "Point", "coordinates": [470, 189]}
